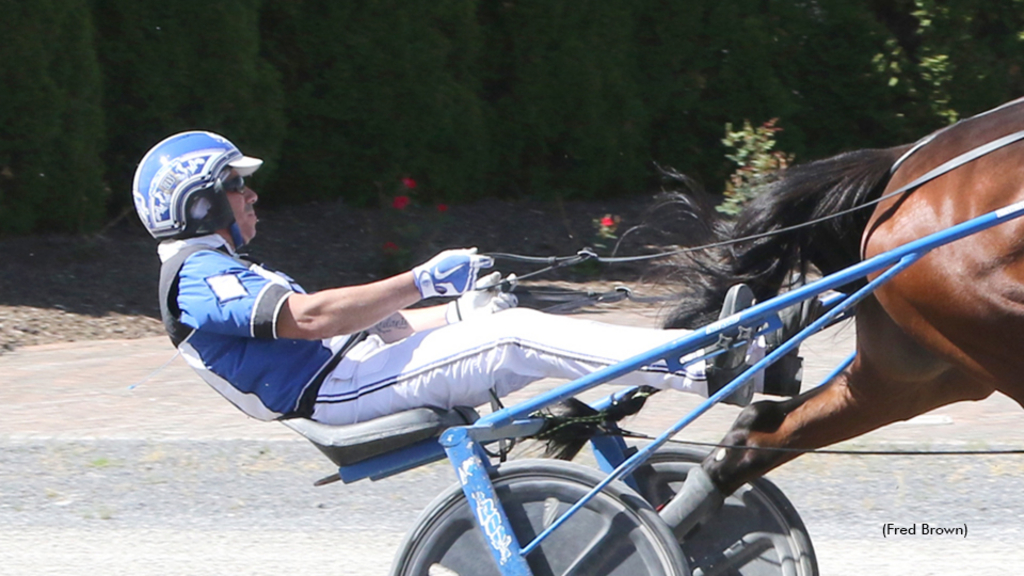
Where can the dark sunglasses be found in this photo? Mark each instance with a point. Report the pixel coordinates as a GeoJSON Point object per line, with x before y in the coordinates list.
{"type": "Point", "coordinates": [230, 184]}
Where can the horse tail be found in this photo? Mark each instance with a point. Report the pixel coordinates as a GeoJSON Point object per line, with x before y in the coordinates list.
{"type": "Point", "coordinates": [783, 212]}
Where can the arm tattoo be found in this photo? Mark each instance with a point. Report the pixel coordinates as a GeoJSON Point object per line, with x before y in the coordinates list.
{"type": "Point", "coordinates": [394, 325]}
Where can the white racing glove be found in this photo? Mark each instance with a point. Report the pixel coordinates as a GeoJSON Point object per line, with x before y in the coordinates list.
{"type": "Point", "coordinates": [450, 273]}
{"type": "Point", "coordinates": [485, 300]}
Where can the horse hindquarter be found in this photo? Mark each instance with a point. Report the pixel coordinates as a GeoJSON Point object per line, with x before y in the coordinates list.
{"type": "Point", "coordinates": [964, 302]}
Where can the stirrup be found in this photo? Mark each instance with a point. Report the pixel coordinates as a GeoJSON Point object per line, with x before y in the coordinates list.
{"type": "Point", "coordinates": [722, 369]}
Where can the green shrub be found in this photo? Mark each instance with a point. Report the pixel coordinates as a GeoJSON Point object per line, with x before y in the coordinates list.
{"type": "Point", "coordinates": [536, 98]}
{"type": "Point", "coordinates": [969, 55]}
{"type": "Point", "coordinates": [377, 91]}
{"type": "Point", "coordinates": [565, 112]}
{"type": "Point", "coordinates": [51, 122]}
{"type": "Point", "coordinates": [756, 163]}
{"type": "Point", "coordinates": [186, 65]}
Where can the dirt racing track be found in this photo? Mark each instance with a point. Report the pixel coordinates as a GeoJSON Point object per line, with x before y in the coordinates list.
{"type": "Point", "coordinates": [166, 478]}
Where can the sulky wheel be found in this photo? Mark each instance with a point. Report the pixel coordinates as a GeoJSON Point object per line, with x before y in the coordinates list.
{"type": "Point", "coordinates": [756, 533]}
{"type": "Point", "coordinates": [616, 534]}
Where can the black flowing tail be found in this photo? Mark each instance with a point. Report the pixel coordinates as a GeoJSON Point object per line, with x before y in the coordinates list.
{"type": "Point", "coordinates": [796, 196]}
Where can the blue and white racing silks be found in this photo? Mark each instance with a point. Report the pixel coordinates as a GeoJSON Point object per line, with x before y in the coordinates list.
{"type": "Point", "coordinates": [233, 307]}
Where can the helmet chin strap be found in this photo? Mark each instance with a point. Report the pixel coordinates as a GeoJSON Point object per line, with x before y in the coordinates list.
{"type": "Point", "coordinates": [236, 235]}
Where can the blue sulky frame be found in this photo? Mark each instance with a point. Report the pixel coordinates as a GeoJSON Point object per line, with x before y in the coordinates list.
{"type": "Point", "coordinates": [463, 444]}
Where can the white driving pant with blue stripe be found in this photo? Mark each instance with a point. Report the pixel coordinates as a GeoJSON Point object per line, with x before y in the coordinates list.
{"type": "Point", "coordinates": [458, 365]}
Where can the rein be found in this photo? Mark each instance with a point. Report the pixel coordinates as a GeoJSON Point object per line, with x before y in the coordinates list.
{"type": "Point", "coordinates": [571, 301]}
{"type": "Point", "coordinates": [555, 262]}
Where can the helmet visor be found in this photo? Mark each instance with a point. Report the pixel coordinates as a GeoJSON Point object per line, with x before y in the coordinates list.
{"type": "Point", "coordinates": [245, 165]}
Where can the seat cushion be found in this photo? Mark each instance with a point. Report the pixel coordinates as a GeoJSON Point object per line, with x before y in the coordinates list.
{"type": "Point", "coordinates": [347, 445]}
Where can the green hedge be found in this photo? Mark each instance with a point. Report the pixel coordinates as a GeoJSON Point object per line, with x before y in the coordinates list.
{"type": "Point", "coordinates": [377, 91]}
{"type": "Point", "coordinates": [533, 98]}
{"type": "Point", "coordinates": [188, 64]}
{"type": "Point", "coordinates": [51, 121]}
{"type": "Point", "coordinates": [565, 111]}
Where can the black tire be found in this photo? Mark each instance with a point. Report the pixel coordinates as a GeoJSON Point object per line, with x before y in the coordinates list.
{"type": "Point", "coordinates": [616, 534]}
{"type": "Point", "coordinates": [757, 533]}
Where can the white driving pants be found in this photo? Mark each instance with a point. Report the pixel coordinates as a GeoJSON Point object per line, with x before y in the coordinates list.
{"type": "Point", "coordinates": [457, 365]}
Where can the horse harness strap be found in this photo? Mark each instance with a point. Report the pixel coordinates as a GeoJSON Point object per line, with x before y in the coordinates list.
{"type": "Point", "coordinates": [927, 139]}
{"type": "Point", "coordinates": [959, 161]}
{"type": "Point", "coordinates": [945, 167]}
{"type": "Point", "coordinates": [179, 332]}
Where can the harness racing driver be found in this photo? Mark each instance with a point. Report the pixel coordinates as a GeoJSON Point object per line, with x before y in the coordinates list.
{"type": "Point", "coordinates": [354, 353]}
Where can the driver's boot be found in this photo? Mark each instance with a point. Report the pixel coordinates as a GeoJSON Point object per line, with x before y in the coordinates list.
{"type": "Point", "coordinates": [723, 368]}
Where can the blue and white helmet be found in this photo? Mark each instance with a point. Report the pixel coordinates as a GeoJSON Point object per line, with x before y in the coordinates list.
{"type": "Point", "coordinates": [179, 185]}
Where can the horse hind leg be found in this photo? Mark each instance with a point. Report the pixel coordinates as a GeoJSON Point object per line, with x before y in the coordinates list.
{"type": "Point", "coordinates": [892, 379]}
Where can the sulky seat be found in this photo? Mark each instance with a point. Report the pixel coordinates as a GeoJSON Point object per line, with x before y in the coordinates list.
{"type": "Point", "coordinates": [350, 444]}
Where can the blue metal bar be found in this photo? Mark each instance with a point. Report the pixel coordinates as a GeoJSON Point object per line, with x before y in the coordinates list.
{"type": "Point", "coordinates": [827, 303]}
{"type": "Point", "coordinates": [395, 462]}
{"type": "Point", "coordinates": [693, 341]}
{"type": "Point", "coordinates": [612, 398]}
{"type": "Point", "coordinates": [428, 451]}
{"type": "Point", "coordinates": [610, 452]}
{"type": "Point", "coordinates": [468, 460]}
{"type": "Point", "coordinates": [634, 461]}
{"type": "Point", "coordinates": [835, 372]}
{"type": "Point", "coordinates": [847, 303]}
{"type": "Point", "coordinates": [516, 429]}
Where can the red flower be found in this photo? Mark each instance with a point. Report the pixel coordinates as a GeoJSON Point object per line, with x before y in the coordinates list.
{"type": "Point", "coordinates": [409, 183]}
{"type": "Point", "coordinates": [390, 247]}
{"type": "Point", "coordinates": [400, 202]}
{"type": "Point", "coordinates": [442, 208]}
{"type": "Point", "coordinates": [607, 222]}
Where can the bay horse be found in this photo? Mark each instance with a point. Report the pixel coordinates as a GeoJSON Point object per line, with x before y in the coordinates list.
{"type": "Point", "coordinates": [942, 331]}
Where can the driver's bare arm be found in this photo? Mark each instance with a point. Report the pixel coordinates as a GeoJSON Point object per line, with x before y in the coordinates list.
{"type": "Point", "coordinates": [345, 310]}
